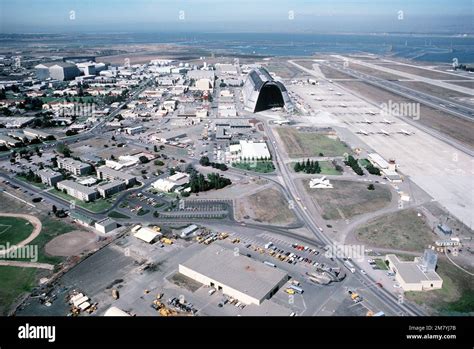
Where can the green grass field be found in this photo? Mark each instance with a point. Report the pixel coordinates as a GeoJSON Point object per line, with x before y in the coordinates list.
{"type": "Point", "coordinates": [52, 227]}
{"type": "Point", "coordinates": [258, 166]}
{"type": "Point", "coordinates": [349, 198]}
{"type": "Point", "coordinates": [13, 230]}
{"type": "Point", "coordinates": [38, 185]}
{"type": "Point", "coordinates": [381, 264]}
{"type": "Point", "coordinates": [115, 214]}
{"type": "Point", "coordinates": [310, 144]}
{"type": "Point", "coordinates": [402, 230]}
{"type": "Point", "coordinates": [98, 205]}
{"type": "Point", "coordinates": [14, 282]}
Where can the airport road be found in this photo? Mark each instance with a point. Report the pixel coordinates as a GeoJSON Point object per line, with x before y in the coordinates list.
{"type": "Point", "coordinates": [314, 224]}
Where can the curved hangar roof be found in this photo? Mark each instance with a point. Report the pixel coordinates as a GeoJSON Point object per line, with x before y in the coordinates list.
{"type": "Point", "coordinates": [262, 92]}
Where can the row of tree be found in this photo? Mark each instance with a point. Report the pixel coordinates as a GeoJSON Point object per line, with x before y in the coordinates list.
{"type": "Point", "coordinates": [310, 166]}
{"type": "Point", "coordinates": [354, 164]}
{"type": "Point", "coordinates": [204, 161]}
{"type": "Point", "coordinates": [199, 183]}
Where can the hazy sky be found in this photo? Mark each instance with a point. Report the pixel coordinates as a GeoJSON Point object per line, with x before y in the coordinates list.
{"type": "Point", "coordinates": [236, 15]}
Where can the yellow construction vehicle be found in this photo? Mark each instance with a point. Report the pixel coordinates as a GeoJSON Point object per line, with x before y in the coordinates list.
{"type": "Point", "coordinates": [167, 241]}
{"type": "Point", "coordinates": [290, 291]}
{"type": "Point", "coordinates": [223, 236]}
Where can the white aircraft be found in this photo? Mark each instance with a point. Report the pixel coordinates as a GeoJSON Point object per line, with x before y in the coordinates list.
{"type": "Point", "coordinates": [342, 105]}
{"type": "Point", "coordinates": [371, 112]}
{"type": "Point", "coordinates": [339, 93]}
{"type": "Point", "coordinates": [367, 121]}
{"type": "Point", "coordinates": [405, 132]}
{"type": "Point", "coordinates": [385, 133]}
{"type": "Point", "coordinates": [388, 122]}
{"type": "Point", "coordinates": [365, 133]}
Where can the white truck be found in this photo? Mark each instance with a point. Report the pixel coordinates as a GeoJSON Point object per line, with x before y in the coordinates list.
{"type": "Point", "coordinates": [350, 266]}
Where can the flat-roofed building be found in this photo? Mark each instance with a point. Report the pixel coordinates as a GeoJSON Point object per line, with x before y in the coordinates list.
{"type": "Point", "coordinates": [57, 70]}
{"type": "Point", "coordinates": [108, 189]}
{"type": "Point", "coordinates": [107, 173]}
{"type": "Point", "coordinates": [50, 177]}
{"type": "Point", "coordinates": [237, 276]}
{"type": "Point", "coordinates": [74, 166]}
{"type": "Point", "coordinates": [254, 150]}
{"type": "Point", "coordinates": [414, 275]}
{"type": "Point", "coordinates": [9, 141]}
{"type": "Point", "coordinates": [105, 225]}
{"type": "Point", "coordinates": [147, 234]}
{"type": "Point", "coordinates": [29, 132]}
{"type": "Point", "coordinates": [78, 191]}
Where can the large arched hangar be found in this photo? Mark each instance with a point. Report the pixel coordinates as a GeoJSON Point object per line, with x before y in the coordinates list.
{"type": "Point", "coordinates": [262, 92]}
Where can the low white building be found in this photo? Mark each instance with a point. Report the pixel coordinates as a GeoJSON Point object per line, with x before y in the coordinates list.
{"type": "Point", "coordinates": [414, 275]}
{"type": "Point", "coordinates": [147, 234]}
{"type": "Point", "coordinates": [172, 182]}
{"type": "Point", "coordinates": [253, 150]}
{"type": "Point", "coordinates": [106, 225]}
{"type": "Point", "coordinates": [320, 183]}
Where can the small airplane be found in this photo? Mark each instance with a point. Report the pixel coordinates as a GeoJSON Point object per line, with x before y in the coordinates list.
{"type": "Point", "coordinates": [339, 93]}
{"type": "Point", "coordinates": [385, 133]}
{"type": "Point", "coordinates": [371, 112]}
{"type": "Point", "coordinates": [367, 121]}
{"type": "Point", "coordinates": [405, 132]}
{"type": "Point", "coordinates": [365, 133]}
{"type": "Point", "coordinates": [388, 122]}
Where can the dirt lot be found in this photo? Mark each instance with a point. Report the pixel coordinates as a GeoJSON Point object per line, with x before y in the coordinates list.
{"type": "Point", "coordinates": [457, 128]}
{"type": "Point", "coordinates": [403, 230]}
{"type": "Point", "coordinates": [424, 72]}
{"type": "Point", "coordinates": [185, 282]}
{"type": "Point", "coordinates": [265, 206]}
{"type": "Point", "coordinates": [348, 199]}
{"type": "Point", "coordinates": [308, 144]}
{"type": "Point", "coordinates": [71, 244]}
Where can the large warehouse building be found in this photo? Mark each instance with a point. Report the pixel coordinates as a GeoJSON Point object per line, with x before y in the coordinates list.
{"type": "Point", "coordinates": [262, 92]}
{"type": "Point", "coordinates": [237, 276]}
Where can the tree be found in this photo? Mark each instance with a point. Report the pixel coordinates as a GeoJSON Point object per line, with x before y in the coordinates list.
{"type": "Point", "coordinates": [63, 149]}
{"type": "Point", "coordinates": [143, 159]}
{"type": "Point", "coordinates": [155, 148]}
{"type": "Point", "coordinates": [54, 209]}
{"type": "Point", "coordinates": [297, 167]}
{"type": "Point", "coordinates": [204, 161]}
{"type": "Point", "coordinates": [371, 187]}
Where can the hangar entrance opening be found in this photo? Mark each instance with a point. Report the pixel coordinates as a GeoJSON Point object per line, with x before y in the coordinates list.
{"type": "Point", "coordinates": [270, 97]}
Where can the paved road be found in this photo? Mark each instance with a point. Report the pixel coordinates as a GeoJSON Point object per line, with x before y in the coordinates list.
{"type": "Point", "coordinates": [27, 264]}
{"type": "Point", "coordinates": [314, 224]}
